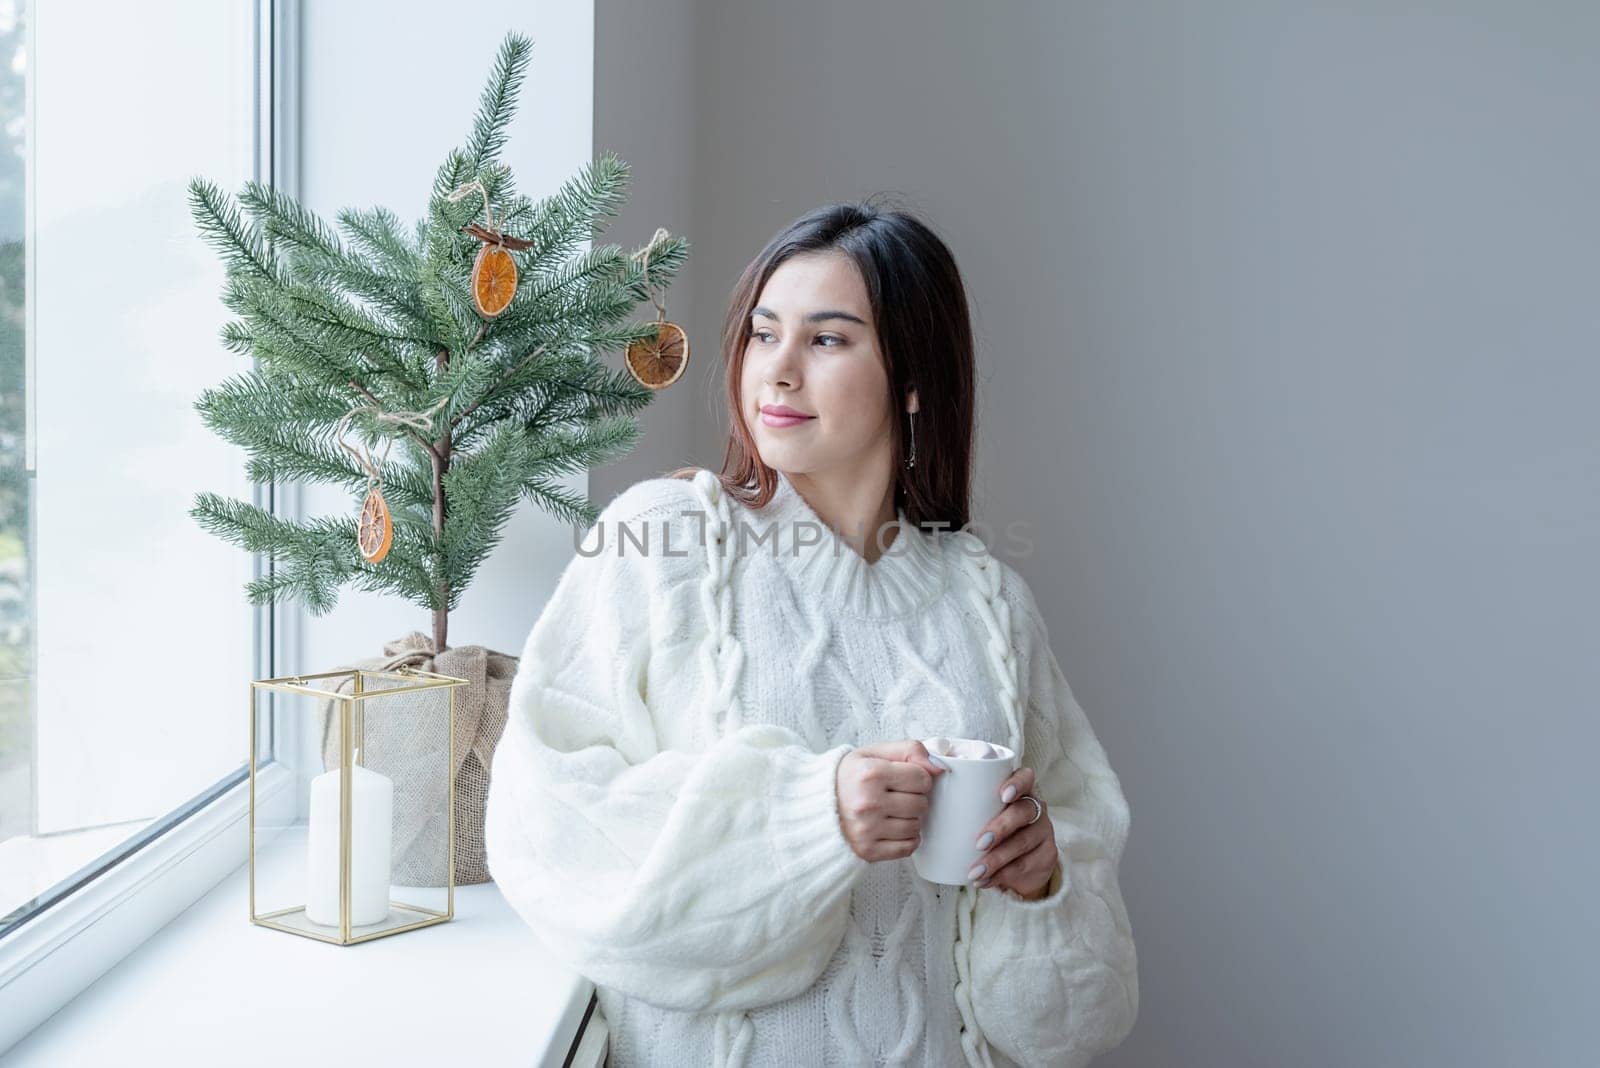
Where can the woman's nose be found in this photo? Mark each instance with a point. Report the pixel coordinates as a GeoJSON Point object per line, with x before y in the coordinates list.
{"type": "Point", "coordinates": [783, 364]}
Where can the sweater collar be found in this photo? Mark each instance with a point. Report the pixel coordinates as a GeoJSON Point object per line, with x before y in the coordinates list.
{"type": "Point", "coordinates": [907, 576]}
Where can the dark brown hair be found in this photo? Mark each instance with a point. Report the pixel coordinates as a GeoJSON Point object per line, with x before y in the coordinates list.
{"type": "Point", "coordinates": [919, 306]}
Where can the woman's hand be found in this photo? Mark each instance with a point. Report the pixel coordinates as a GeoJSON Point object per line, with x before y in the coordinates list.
{"type": "Point", "coordinates": [883, 796]}
{"type": "Point", "coordinates": [1019, 856]}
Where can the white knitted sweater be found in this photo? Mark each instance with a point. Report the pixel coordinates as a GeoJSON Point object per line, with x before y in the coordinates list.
{"type": "Point", "coordinates": [663, 814]}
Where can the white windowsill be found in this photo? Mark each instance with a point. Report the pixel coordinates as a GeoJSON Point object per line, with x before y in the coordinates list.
{"type": "Point", "coordinates": [213, 988]}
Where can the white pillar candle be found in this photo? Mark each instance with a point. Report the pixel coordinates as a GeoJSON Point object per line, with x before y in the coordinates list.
{"type": "Point", "coordinates": [371, 828]}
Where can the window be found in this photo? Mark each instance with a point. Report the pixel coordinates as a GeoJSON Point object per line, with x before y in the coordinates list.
{"type": "Point", "coordinates": [126, 643]}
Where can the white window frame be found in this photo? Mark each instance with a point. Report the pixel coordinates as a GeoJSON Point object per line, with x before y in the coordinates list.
{"type": "Point", "coordinates": [53, 955]}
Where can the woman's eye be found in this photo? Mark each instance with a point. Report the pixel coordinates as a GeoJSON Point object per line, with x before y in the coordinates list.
{"type": "Point", "coordinates": [766, 335]}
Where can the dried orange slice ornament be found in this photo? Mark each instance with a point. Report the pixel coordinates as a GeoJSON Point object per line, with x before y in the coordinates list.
{"type": "Point", "coordinates": [376, 530]}
{"type": "Point", "coordinates": [494, 280]}
{"type": "Point", "coordinates": [657, 362]}
{"type": "Point", "coordinates": [494, 272]}
{"type": "Point", "coordinates": [375, 526]}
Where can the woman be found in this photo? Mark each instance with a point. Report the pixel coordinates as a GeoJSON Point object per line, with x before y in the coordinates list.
{"type": "Point", "coordinates": [712, 779]}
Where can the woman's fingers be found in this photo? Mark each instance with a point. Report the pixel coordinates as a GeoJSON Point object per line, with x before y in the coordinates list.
{"type": "Point", "coordinates": [1011, 833]}
{"type": "Point", "coordinates": [1015, 814]}
{"type": "Point", "coordinates": [1012, 860]}
{"type": "Point", "coordinates": [906, 806]}
{"type": "Point", "coordinates": [902, 775]}
{"type": "Point", "coordinates": [1030, 863]}
{"type": "Point", "coordinates": [1019, 782]}
{"type": "Point", "coordinates": [896, 829]}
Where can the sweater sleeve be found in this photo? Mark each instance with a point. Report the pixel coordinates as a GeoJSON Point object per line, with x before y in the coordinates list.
{"type": "Point", "coordinates": [1055, 981]}
{"type": "Point", "coordinates": [698, 881]}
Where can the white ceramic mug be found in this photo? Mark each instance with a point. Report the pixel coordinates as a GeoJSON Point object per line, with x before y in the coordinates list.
{"type": "Point", "coordinates": [963, 799]}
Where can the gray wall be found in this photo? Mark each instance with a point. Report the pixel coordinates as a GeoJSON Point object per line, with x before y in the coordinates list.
{"type": "Point", "coordinates": [1288, 353]}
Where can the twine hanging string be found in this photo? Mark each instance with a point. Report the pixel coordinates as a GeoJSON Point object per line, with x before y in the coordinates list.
{"type": "Point", "coordinates": [643, 258]}
{"type": "Point", "coordinates": [476, 185]}
{"type": "Point", "coordinates": [419, 421]}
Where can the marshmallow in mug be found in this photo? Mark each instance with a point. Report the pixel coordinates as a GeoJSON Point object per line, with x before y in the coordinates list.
{"type": "Point", "coordinates": [965, 748]}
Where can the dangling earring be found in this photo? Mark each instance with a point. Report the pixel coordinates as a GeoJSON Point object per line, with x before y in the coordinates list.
{"type": "Point", "coordinates": [911, 417]}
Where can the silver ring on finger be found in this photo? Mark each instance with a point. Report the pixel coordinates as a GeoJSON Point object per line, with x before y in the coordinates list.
{"type": "Point", "coordinates": [1038, 809]}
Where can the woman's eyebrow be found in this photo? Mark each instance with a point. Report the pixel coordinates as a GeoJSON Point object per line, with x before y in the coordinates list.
{"type": "Point", "coordinates": [814, 317]}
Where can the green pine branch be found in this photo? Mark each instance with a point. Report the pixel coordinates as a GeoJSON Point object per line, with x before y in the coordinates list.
{"type": "Point", "coordinates": [497, 103]}
{"type": "Point", "coordinates": [559, 501]}
{"type": "Point", "coordinates": [224, 227]}
{"type": "Point", "coordinates": [287, 431]}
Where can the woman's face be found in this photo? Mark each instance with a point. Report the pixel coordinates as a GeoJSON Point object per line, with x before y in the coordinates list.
{"type": "Point", "coordinates": [813, 346]}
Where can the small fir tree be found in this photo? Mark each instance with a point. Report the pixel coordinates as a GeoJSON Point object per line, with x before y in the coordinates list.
{"type": "Point", "coordinates": [368, 327]}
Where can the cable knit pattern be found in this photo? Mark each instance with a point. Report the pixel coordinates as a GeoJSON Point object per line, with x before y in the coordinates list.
{"type": "Point", "coordinates": [983, 590]}
{"type": "Point", "coordinates": [663, 814]}
{"type": "Point", "coordinates": [734, 1031]}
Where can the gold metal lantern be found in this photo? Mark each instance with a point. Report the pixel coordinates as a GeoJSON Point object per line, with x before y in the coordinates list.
{"type": "Point", "coordinates": [333, 853]}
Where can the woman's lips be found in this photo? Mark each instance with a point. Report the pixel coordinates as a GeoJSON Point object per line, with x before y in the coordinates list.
{"type": "Point", "coordinates": [774, 419]}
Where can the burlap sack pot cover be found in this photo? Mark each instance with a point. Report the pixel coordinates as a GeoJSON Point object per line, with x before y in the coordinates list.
{"type": "Point", "coordinates": [415, 759]}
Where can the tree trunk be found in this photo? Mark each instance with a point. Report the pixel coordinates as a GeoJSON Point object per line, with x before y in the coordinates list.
{"type": "Point", "coordinates": [441, 464]}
